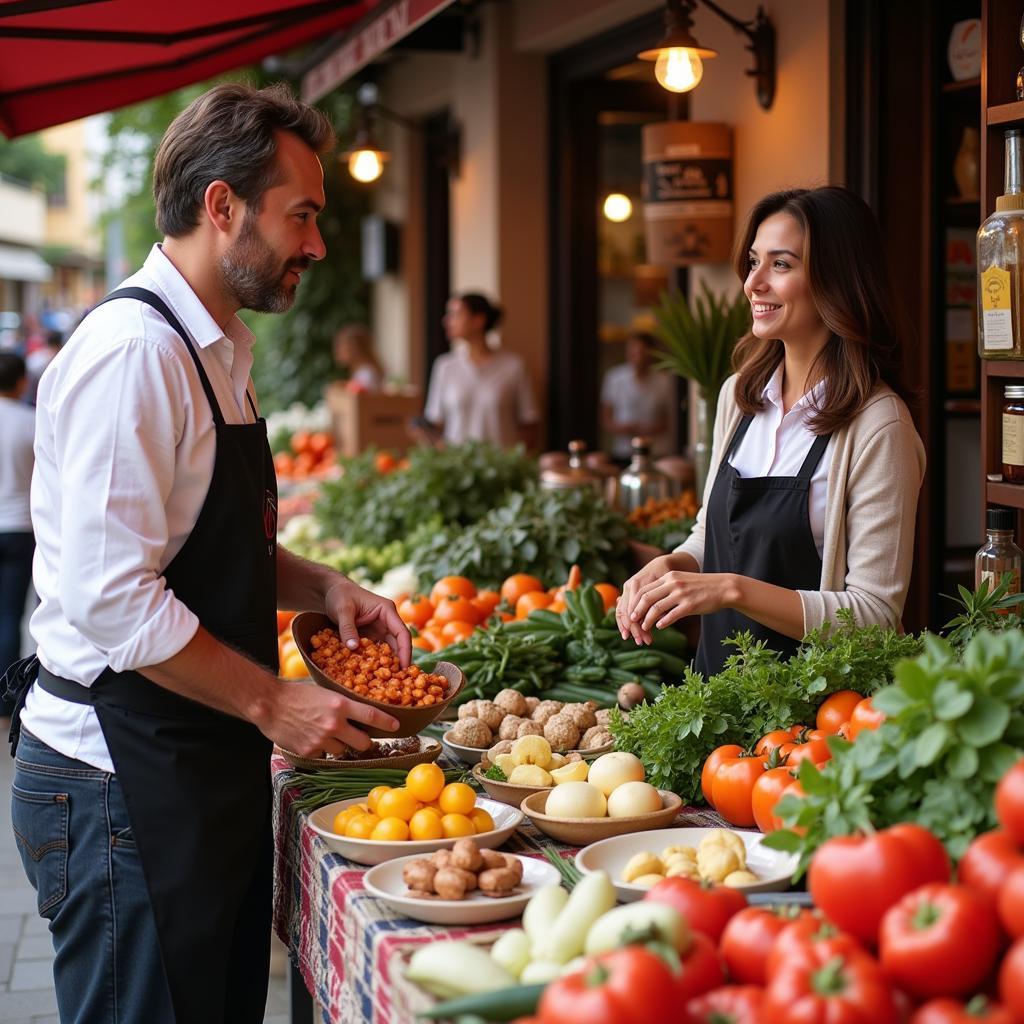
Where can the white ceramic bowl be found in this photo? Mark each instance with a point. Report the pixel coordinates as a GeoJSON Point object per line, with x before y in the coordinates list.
{"type": "Point", "coordinates": [385, 882]}
{"type": "Point", "coordinates": [773, 868]}
{"type": "Point", "coordinates": [370, 851]}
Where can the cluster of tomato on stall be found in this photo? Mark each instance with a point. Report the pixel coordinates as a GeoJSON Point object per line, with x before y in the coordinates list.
{"type": "Point", "coordinates": [893, 939]}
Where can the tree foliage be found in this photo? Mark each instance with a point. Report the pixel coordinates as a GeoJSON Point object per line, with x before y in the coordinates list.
{"type": "Point", "coordinates": [27, 160]}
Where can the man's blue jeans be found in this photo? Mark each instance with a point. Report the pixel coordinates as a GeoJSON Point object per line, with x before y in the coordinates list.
{"type": "Point", "coordinates": [72, 831]}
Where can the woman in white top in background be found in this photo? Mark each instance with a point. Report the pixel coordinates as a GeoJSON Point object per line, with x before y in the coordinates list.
{"type": "Point", "coordinates": [816, 466]}
{"type": "Point", "coordinates": [479, 393]}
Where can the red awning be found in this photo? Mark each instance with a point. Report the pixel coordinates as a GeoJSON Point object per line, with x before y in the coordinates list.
{"type": "Point", "coordinates": [65, 59]}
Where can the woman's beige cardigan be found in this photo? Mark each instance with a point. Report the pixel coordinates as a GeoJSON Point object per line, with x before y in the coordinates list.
{"type": "Point", "coordinates": [873, 483]}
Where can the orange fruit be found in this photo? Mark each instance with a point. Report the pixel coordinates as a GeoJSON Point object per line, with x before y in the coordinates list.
{"type": "Point", "coordinates": [518, 584]}
{"type": "Point", "coordinates": [557, 606]}
{"type": "Point", "coordinates": [452, 586]}
{"type": "Point", "coordinates": [361, 826]}
{"type": "Point", "coordinates": [457, 798]}
{"type": "Point", "coordinates": [482, 821]}
{"type": "Point", "coordinates": [374, 796]}
{"type": "Point", "coordinates": [425, 782]}
{"type": "Point", "coordinates": [486, 601]}
{"type": "Point", "coordinates": [426, 824]}
{"type": "Point", "coordinates": [609, 594]}
{"type": "Point", "coordinates": [454, 826]}
{"type": "Point", "coordinates": [390, 830]}
{"type": "Point", "coordinates": [421, 643]}
{"type": "Point", "coordinates": [453, 632]}
{"type": "Point", "coordinates": [531, 602]}
{"type": "Point", "coordinates": [397, 803]}
{"type": "Point", "coordinates": [432, 808]}
{"type": "Point", "coordinates": [416, 611]}
{"type": "Point", "coordinates": [342, 818]}
{"type": "Point", "coordinates": [456, 609]}
{"type": "Point", "coordinates": [433, 636]}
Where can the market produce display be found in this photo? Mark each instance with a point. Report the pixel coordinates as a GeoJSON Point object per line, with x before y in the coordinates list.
{"type": "Point", "coordinates": [530, 761]}
{"type": "Point", "coordinates": [720, 857]}
{"type": "Point", "coordinates": [453, 874]}
{"type": "Point", "coordinates": [664, 522]}
{"type": "Point", "coordinates": [550, 724]}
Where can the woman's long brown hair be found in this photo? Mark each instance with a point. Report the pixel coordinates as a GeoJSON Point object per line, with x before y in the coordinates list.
{"type": "Point", "coordinates": [853, 293]}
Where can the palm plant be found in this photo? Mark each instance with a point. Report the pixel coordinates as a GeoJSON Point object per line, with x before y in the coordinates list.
{"type": "Point", "coordinates": [698, 336]}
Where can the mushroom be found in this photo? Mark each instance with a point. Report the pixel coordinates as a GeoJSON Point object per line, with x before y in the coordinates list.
{"type": "Point", "coordinates": [528, 728]}
{"type": "Point", "coordinates": [471, 732]}
{"type": "Point", "coordinates": [509, 728]}
{"type": "Point", "coordinates": [490, 714]}
{"type": "Point", "coordinates": [469, 709]}
{"type": "Point", "coordinates": [545, 709]}
{"type": "Point", "coordinates": [603, 716]}
{"type": "Point", "coordinates": [583, 716]}
{"type": "Point", "coordinates": [503, 747]}
{"type": "Point", "coordinates": [561, 732]}
{"type": "Point", "coordinates": [595, 736]}
{"type": "Point", "coordinates": [531, 705]}
{"type": "Point", "coordinates": [512, 702]}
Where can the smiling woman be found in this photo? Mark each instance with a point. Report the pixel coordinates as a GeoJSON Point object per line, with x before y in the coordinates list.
{"type": "Point", "coordinates": [816, 465]}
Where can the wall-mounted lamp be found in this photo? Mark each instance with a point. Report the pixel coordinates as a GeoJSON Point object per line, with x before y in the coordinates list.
{"type": "Point", "coordinates": [680, 58]}
{"type": "Point", "coordinates": [366, 158]}
{"type": "Point", "coordinates": [617, 207]}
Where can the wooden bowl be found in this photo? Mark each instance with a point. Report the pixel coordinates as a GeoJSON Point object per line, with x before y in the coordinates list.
{"type": "Point", "coordinates": [583, 831]}
{"type": "Point", "coordinates": [506, 792]}
{"type": "Point", "coordinates": [430, 750]}
{"type": "Point", "coordinates": [410, 720]}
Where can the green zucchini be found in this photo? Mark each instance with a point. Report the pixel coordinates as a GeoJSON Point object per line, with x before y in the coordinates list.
{"type": "Point", "coordinates": [505, 1004]}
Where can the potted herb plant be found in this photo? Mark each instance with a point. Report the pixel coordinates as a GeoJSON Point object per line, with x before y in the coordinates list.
{"type": "Point", "coordinates": [698, 336]}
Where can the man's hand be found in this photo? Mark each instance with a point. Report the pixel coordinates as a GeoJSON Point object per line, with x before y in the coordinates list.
{"type": "Point", "coordinates": [309, 720]}
{"type": "Point", "coordinates": [360, 613]}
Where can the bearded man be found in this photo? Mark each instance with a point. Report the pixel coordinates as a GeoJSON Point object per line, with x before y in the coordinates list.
{"type": "Point", "coordinates": [141, 801]}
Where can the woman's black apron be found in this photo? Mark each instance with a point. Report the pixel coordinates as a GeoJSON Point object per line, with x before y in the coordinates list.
{"type": "Point", "coordinates": [758, 527]}
{"type": "Point", "coordinates": [197, 782]}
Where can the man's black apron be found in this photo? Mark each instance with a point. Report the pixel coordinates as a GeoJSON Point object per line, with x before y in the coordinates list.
{"type": "Point", "coordinates": [758, 527]}
{"type": "Point", "coordinates": [197, 782]}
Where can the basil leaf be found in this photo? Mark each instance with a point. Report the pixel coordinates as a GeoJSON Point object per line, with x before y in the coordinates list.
{"type": "Point", "coordinates": [930, 744]}
{"type": "Point", "coordinates": [962, 762]}
{"type": "Point", "coordinates": [951, 701]}
{"type": "Point", "coordinates": [985, 722]}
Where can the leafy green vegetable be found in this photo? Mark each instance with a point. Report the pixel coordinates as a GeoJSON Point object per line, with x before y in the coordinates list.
{"type": "Point", "coordinates": [953, 727]}
{"type": "Point", "coordinates": [994, 611]}
{"type": "Point", "coordinates": [667, 535]}
{"type": "Point", "coordinates": [540, 532]}
{"type": "Point", "coordinates": [453, 486]}
{"type": "Point", "coordinates": [495, 774]}
{"type": "Point", "coordinates": [756, 692]}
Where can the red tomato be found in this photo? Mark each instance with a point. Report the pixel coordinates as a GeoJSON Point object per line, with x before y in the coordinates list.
{"type": "Point", "coordinates": [988, 861]}
{"type": "Point", "coordinates": [939, 940]}
{"type": "Point", "coordinates": [627, 986]}
{"type": "Point", "coordinates": [836, 710]}
{"type": "Point", "coordinates": [808, 933]}
{"type": "Point", "coordinates": [928, 849]}
{"type": "Point", "coordinates": [1011, 980]}
{"type": "Point", "coordinates": [732, 788]}
{"type": "Point", "coordinates": [771, 740]}
{"type": "Point", "coordinates": [714, 759]}
{"type": "Point", "coordinates": [767, 792]}
{"type": "Point", "coordinates": [707, 907]}
{"type": "Point", "coordinates": [810, 743]}
{"type": "Point", "coordinates": [1010, 802]}
{"type": "Point", "coordinates": [700, 969]}
{"type": "Point", "coordinates": [1010, 903]}
{"type": "Point", "coordinates": [952, 1011]}
{"type": "Point", "coordinates": [864, 716]}
{"type": "Point", "coordinates": [824, 988]}
{"type": "Point", "coordinates": [730, 1004]}
{"type": "Point", "coordinates": [854, 880]}
{"type": "Point", "coordinates": [749, 937]}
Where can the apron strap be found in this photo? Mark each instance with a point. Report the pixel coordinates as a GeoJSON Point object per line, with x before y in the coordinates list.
{"type": "Point", "coordinates": [814, 455]}
{"type": "Point", "coordinates": [252, 405]}
{"type": "Point", "coordinates": [148, 298]}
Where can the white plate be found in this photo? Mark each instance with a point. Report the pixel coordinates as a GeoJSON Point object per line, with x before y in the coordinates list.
{"type": "Point", "coordinates": [773, 867]}
{"type": "Point", "coordinates": [370, 851]}
{"type": "Point", "coordinates": [385, 882]}
{"type": "Point", "coordinates": [472, 755]}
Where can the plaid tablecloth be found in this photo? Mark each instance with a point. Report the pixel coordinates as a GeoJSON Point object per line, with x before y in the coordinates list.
{"type": "Point", "coordinates": [349, 947]}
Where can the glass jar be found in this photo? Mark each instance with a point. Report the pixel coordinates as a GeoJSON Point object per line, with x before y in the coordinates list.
{"type": "Point", "coordinates": [999, 555]}
{"type": "Point", "coordinates": [1013, 434]}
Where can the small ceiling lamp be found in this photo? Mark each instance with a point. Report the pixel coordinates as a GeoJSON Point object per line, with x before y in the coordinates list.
{"type": "Point", "coordinates": [617, 207]}
{"type": "Point", "coordinates": [679, 57]}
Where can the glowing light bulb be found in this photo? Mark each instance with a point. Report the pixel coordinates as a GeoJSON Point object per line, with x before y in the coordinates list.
{"type": "Point", "coordinates": [618, 207]}
{"type": "Point", "coordinates": [365, 165]}
{"type": "Point", "coordinates": [679, 69]}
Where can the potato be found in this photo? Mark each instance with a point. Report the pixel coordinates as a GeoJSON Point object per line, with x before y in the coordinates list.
{"type": "Point", "coordinates": [715, 862]}
{"type": "Point", "coordinates": [643, 863]}
{"type": "Point", "coordinates": [647, 881]}
{"type": "Point", "coordinates": [728, 839]}
{"type": "Point", "coordinates": [738, 879]}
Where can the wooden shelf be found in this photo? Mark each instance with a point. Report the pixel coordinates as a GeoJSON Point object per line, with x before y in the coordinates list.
{"type": "Point", "coordinates": [1003, 367]}
{"type": "Point", "coordinates": [1007, 114]}
{"type": "Point", "coordinates": [967, 83]}
{"type": "Point", "coordinates": [962, 406]}
{"type": "Point", "coordinates": [1010, 495]}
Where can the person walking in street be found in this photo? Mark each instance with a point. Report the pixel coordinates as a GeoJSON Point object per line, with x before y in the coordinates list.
{"type": "Point", "coordinates": [17, 428]}
{"type": "Point", "coordinates": [141, 801]}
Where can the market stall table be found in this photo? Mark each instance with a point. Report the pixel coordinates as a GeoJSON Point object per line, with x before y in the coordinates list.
{"type": "Point", "coordinates": [346, 947]}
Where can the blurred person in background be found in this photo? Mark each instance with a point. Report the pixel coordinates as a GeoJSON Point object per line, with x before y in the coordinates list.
{"type": "Point", "coordinates": [479, 392]}
{"type": "Point", "coordinates": [37, 361]}
{"type": "Point", "coordinates": [353, 350]}
{"type": "Point", "coordinates": [636, 399]}
{"type": "Point", "coordinates": [17, 430]}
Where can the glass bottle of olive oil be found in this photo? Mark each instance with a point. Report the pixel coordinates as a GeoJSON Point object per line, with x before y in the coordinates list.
{"type": "Point", "coordinates": [1001, 264]}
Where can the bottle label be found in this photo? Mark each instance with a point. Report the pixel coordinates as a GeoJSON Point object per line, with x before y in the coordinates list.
{"type": "Point", "coordinates": [1013, 440]}
{"type": "Point", "coordinates": [996, 312]}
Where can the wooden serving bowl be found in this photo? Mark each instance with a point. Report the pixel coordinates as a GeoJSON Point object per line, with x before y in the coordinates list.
{"type": "Point", "coordinates": [584, 831]}
{"type": "Point", "coordinates": [506, 792]}
{"type": "Point", "coordinates": [410, 720]}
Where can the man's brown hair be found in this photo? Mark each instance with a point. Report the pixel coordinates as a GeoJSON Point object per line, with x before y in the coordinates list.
{"type": "Point", "coordinates": [228, 134]}
{"type": "Point", "coordinates": [851, 286]}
